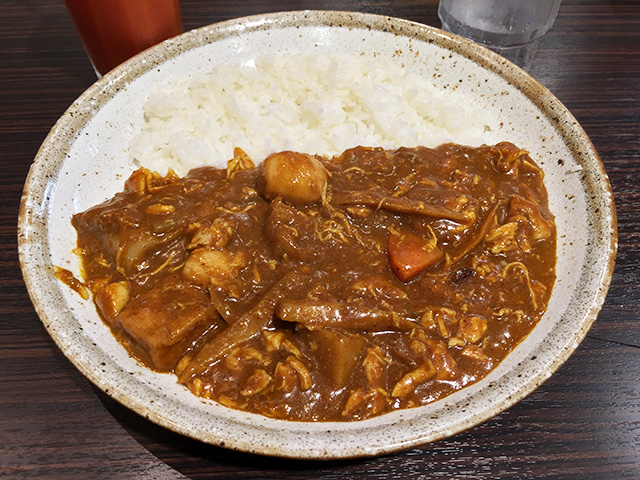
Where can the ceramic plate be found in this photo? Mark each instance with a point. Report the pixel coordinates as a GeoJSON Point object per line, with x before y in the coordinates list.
{"type": "Point", "coordinates": [84, 161]}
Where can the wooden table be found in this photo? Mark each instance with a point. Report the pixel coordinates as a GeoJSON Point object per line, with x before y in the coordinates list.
{"type": "Point", "coordinates": [583, 422]}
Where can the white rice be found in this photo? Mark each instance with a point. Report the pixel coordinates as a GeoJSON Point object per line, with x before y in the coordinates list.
{"type": "Point", "coordinates": [318, 104]}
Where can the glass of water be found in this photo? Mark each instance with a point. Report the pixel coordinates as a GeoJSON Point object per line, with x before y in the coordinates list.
{"type": "Point", "coordinates": [511, 28]}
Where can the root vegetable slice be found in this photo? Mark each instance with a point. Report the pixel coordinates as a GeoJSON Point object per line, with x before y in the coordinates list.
{"type": "Point", "coordinates": [478, 237]}
{"type": "Point", "coordinates": [410, 254]}
{"type": "Point", "coordinates": [317, 314]}
{"type": "Point", "coordinates": [249, 324]}
{"type": "Point", "coordinates": [397, 205]}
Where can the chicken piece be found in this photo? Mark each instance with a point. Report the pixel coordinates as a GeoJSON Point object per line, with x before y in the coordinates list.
{"type": "Point", "coordinates": [419, 347]}
{"type": "Point", "coordinates": [160, 209]}
{"type": "Point", "coordinates": [363, 403]}
{"type": "Point", "coordinates": [359, 212]}
{"type": "Point", "coordinates": [509, 158]}
{"type": "Point", "coordinates": [241, 356]}
{"type": "Point", "coordinates": [165, 321]}
{"type": "Point", "coordinates": [215, 235]}
{"type": "Point", "coordinates": [256, 383]}
{"type": "Point", "coordinates": [528, 212]}
{"type": "Point", "coordinates": [240, 161]}
{"type": "Point", "coordinates": [502, 239]}
{"type": "Point", "coordinates": [446, 366]}
{"type": "Point", "coordinates": [375, 365]}
{"type": "Point", "coordinates": [472, 328]}
{"type": "Point", "coordinates": [427, 319]}
{"type": "Point", "coordinates": [111, 299]}
{"type": "Point", "coordinates": [144, 181]}
{"type": "Point", "coordinates": [291, 231]}
{"type": "Point", "coordinates": [285, 378]}
{"type": "Point", "coordinates": [275, 340]}
{"type": "Point", "coordinates": [446, 320]}
{"type": "Point", "coordinates": [456, 342]}
{"type": "Point", "coordinates": [408, 383]}
{"type": "Point", "coordinates": [306, 382]}
{"type": "Point", "coordinates": [206, 266]}
{"type": "Point", "coordinates": [231, 403]}
{"type": "Point", "coordinates": [475, 353]}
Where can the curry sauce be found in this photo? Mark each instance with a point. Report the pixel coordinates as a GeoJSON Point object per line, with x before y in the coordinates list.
{"type": "Point", "coordinates": [326, 289]}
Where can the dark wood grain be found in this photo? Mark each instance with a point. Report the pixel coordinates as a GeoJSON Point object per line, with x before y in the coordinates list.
{"type": "Point", "coordinates": [584, 422]}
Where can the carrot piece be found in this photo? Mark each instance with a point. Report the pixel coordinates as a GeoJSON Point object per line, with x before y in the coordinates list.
{"type": "Point", "coordinates": [410, 254]}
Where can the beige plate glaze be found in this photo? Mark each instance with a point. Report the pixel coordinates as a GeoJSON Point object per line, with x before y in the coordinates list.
{"type": "Point", "coordinates": [84, 161]}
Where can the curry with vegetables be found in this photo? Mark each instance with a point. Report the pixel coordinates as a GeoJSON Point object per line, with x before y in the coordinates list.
{"type": "Point", "coordinates": [326, 289]}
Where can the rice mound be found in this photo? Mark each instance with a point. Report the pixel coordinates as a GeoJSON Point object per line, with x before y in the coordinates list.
{"type": "Point", "coordinates": [319, 104]}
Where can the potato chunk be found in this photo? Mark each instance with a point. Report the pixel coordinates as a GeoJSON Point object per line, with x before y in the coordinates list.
{"type": "Point", "coordinates": [296, 177]}
{"type": "Point", "coordinates": [167, 316]}
{"type": "Point", "coordinates": [338, 352]}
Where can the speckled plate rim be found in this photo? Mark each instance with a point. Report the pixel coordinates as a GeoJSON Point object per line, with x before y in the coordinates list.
{"type": "Point", "coordinates": [333, 440]}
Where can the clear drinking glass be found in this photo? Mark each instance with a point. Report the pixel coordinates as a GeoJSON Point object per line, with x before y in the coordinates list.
{"type": "Point", "coordinates": [511, 28]}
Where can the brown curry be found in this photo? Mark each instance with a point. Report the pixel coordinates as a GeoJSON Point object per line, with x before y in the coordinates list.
{"type": "Point", "coordinates": [326, 289]}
